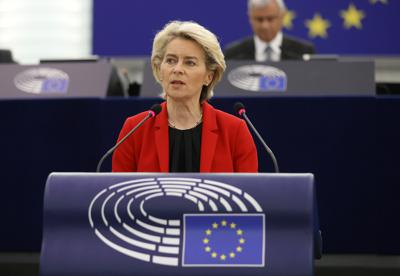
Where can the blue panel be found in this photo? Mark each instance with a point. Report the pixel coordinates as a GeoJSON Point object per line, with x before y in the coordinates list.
{"type": "Point", "coordinates": [125, 27]}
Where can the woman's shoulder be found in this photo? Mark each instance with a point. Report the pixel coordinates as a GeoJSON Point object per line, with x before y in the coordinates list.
{"type": "Point", "coordinates": [225, 119]}
{"type": "Point", "coordinates": [135, 119]}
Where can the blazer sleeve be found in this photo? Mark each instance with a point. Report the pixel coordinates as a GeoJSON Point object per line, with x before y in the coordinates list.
{"type": "Point", "coordinates": [123, 158]}
{"type": "Point", "coordinates": [245, 151]}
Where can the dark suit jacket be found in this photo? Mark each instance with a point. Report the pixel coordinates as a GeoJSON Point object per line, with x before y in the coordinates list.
{"type": "Point", "coordinates": [6, 56]}
{"type": "Point", "coordinates": [226, 144]}
{"type": "Point", "coordinates": [292, 48]}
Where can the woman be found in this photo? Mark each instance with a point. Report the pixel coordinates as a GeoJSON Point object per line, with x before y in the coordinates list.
{"type": "Point", "coordinates": [189, 135]}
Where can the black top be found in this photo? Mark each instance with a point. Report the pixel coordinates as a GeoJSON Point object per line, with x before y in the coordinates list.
{"type": "Point", "coordinates": [184, 149]}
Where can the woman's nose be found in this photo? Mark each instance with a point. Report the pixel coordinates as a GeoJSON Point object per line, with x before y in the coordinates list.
{"type": "Point", "coordinates": [177, 69]}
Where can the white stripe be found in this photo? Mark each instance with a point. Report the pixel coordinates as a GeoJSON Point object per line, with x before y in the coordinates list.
{"type": "Point", "coordinates": [142, 209]}
{"type": "Point", "coordinates": [175, 191]}
{"type": "Point", "coordinates": [148, 192]}
{"type": "Point", "coordinates": [174, 194]}
{"type": "Point", "coordinates": [173, 231]}
{"type": "Point", "coordinates": [153, 195]}
{"type": "Point", "coordinates": [226, 204]}
{"type": "Point", "coordinates": [129, 182]}
{"type": "Point", "coordinates": [223, 185]}
{"type": "Point", "coordinates": [150, 227]}
{"type": "Point", "coordinates": [135, 185]}
{"type": "Point", "coordinates": [172, 222]}
{"type": "Point", "coordinates": [91, 206]}
{"type": "Point", "coordinates": [128, 209]}
{"type": "Point", "coordinates": [176, 187]}
{"type": "Point", "coordinates": [196, 194]}
{"type": "Point", "coordinates": [178, 179]}
{"type": "Point", "coordinates": [158, 220]}
{"type": "Point", "coordinates": [141, 234]}
{"type": "Point", "coordinates": [177, 183]}
{"type": "Point", "coordinates": [165, 260]}
{"type": "Point", "coordinates": [253, 202]}
{"type": "Point", "coordinates": [240, 203]}
{"type": "Point", "coordinates": [103, 206]}
{"type": "Point", "coordinates": [207, 192]}
{"type": "Point", "coordinates": [219, 190]}
{"type": "Point", "coordinates": [168, 249]}
{"type": "Point", "coordinates": [192, 198]}
{"type": "Point", "coordinates": [130, 253]}
{"type": "Point", "coordinates": [133, 242]}
{"type": "Point", "coordinates": [142, 189]}
{"type": "Point", "coordinates": [213, 205]}
{"type": "Point", "coordinates": [200, 206]}
{"type": "Point", "coordinates": [171, 241]}
{"type": "Point", "coordinates": [116, 208]}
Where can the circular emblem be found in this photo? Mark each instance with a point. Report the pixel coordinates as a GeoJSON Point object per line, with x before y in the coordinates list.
{"type": "Point", "coordinates": [258, 78]}
{"type": "Point", "coordinates": [42, 81]}
{"type": "Point", "coordinates": [122, 218]}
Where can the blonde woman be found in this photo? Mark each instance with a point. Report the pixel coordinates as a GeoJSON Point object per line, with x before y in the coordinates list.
{"type": "Point", "coordinates": [188, 135]}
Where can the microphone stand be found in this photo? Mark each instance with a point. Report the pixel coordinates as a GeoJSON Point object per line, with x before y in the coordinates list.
{"type": "Point", "coordinates": [274, 161]}
{"type": "Point", "coordinates": [149, 115]}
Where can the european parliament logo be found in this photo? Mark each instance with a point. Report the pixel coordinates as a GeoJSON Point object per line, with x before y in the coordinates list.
{"type": "Point", "coordinates": [42, 80]}
{"type": "Point", "coordinates": [180, 222]}
{"type": "Point", "coordinates": [258, 78]}
{"type": "Point", "coordinates": [224, 240]}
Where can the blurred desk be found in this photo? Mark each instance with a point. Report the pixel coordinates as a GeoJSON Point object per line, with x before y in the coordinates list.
{"type": "Point", "coordinates": [55, 80]}
{"type": "Point", "coordinates": [351, 144]}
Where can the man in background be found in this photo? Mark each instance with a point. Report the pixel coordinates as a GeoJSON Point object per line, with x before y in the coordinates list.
{"type": "Point", "coordinates": [268, 43]}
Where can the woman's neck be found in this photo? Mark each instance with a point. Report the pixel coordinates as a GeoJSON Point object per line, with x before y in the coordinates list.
{"type": "Point", "coordinates": [184, 115]}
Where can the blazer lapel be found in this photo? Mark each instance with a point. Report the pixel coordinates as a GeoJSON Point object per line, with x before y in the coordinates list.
{"type": "Point", "coordinates": [162, 138]}
{"type": "Point", "coordinates": [209, 137]}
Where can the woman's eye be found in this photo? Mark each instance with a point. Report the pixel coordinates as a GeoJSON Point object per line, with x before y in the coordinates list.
{"type": "Point", "coordinates": [190, 63]}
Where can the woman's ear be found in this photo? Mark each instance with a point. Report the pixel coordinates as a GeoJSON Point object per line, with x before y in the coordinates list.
{"type": "Point", "coordinates": [209, 78]}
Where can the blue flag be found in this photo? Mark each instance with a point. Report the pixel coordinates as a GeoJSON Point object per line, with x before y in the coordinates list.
{"type": "Point", "coordinates": [224, 240]}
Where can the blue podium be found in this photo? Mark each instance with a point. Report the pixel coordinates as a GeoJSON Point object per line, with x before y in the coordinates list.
{"type": "Point", "coordinates": [178, 224]}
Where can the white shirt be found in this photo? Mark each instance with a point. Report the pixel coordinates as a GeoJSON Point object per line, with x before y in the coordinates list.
{"type": "Point", "coordinates": [275, 44]}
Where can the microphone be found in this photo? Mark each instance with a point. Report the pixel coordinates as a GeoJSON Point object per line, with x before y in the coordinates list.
{"type": "Point", "coordinates": [241, 111]}
{"type": "Point", "coordinates": [153, 111]}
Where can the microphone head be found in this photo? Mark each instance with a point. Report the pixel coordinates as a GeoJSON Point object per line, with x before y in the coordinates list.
{"type": "Point", "coordinates": [155, 109]}
{"type": "Point", "coordinates": [239, 108]}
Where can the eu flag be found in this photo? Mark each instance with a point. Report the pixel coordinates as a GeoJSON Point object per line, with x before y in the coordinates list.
{"type": "Point", "coordinates": [224, 240]}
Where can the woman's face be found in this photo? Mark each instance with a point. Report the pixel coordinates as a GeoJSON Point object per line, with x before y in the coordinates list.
{"type": "Point", "coordinates": [183, 70]}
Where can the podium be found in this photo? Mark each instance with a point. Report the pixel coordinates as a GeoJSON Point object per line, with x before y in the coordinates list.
{"type": "Point", "coordinates": [286, 78]}
{"type": "Point", "coordinates": [178, 224]}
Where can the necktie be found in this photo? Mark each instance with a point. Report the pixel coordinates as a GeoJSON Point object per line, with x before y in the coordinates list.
{"type": "Point", "coordinates": [268, 53]}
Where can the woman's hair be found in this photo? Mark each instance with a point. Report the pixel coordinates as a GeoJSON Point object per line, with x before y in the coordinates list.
{"type": "Point", "coordinates": [214, 58]}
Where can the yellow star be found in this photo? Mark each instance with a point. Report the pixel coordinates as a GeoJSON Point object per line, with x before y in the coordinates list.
{"type": "Point", "coordinates": [214, 255]}
{"type": "Point", "coordinates": [239, 249]}
{"type": "Point", "coordinates": [224, 223]}
{"type": "Point", "coordinates": [318, 26]}
{"type": "Point", "coordinates": [233, 226]}
{"type": "Point", "coordinates": [352, 17]}
{"type": "Point", "coordinates": [242, 241]}
{"type": "Point", "coordinates": [288, 19]}
{"type": "Point", "coordinates": [205, 241]}
{"type": "Point", "coordinates": [215, 225]}
{"type": "Point", "coordinates": [208, 232]}
{"type": "Point", "coordinates": [207, 249]}
{"type": "Point", "coordinates": [239, 232]}
{"type": "Point", "coordinates": [232, 255]}
{"type": "Point", "coordinates": [223, 257]}
{"type": "Point", "coordinates": [373, 2]}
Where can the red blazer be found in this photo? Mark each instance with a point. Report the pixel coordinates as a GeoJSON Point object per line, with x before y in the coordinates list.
{"type": "Point", "coordinates": [226, 144]}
